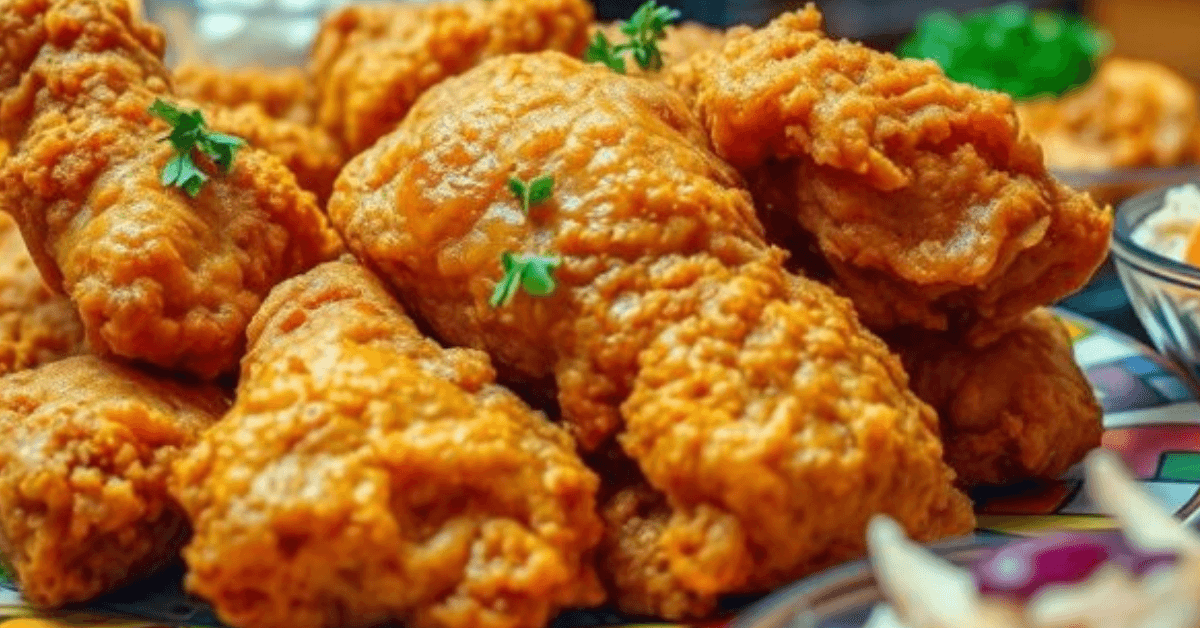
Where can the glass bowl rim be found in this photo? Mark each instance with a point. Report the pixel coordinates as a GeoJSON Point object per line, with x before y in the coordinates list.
{"type": "Point", "coordinates": [1125, 250]}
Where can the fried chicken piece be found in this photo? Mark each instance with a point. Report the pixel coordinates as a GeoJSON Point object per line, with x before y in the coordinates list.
{"type": "Point", "coordinates": [1017, 409]}
{"type": "Point", "coordinates": [930, 205]}
{"type": "Point", "coordinates": [85, 450]}
{"type": "Point", "coordinates": [283, 93]}
{"type": "Point", "coordinates": [37, 326]}
{"type": "Point", "coordinates": [365, 473]}
{"type": "Point", "coordinates": [771, 421]}
{"type": "Point", "coordinates": [371, 62]}
{"type": "Point", "coordinates": [155, 275]}
{"type": "Point", "coordinates": [308, 151]}
{"type": "Point", "coordinates": [1130, 114]}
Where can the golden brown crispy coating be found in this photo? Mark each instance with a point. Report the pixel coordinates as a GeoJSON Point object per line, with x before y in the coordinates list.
{"type": "Point", "coordinates": [1130, 114]}
{"type": "Point", "coordinates": [365, 473]}
{"type": "Point", "coordinates": [85, 450]}
{"type": "Point", "coordinates": [371, 62]}
{"type": "Point", "coordinates": [1017, 409]}
{"type": "Point", "coordinates": [930, 206]}
{"type": "Point", "coordinates": [771, 420]}
{"type": "Point", "coordinates": [308, 151]}
{"type": "Point", "coordinates": [36, 325]}
{"type": "Point", "coordinates": [155, 275]}
{"type": "Point", "coordinates": [283, 93]}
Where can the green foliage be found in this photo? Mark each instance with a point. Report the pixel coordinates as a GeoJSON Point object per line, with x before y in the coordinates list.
{"type": "Point", "coordinates": [1010, 48]}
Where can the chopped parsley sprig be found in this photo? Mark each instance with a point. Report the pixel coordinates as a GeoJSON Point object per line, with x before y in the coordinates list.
{"type": "Point", "coordinates": [644, 29]}
{"type": "Point", "coordinates": [535, 273]}
{"type": "Point", "coordinates": [189, 134]}
{"type": "Point", "coordinates": [531, 193]}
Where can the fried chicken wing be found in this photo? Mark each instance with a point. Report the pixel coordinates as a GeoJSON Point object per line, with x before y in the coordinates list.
{"type": "Point", "coordinates": [371, 62]}
{"type": "Point", "coordinates": [1017, 409]}
{"type": "Point", "coordinates": [85, 450]}
{"type": "Point", "coordinates": [155, 275]}
{"type": "Point", "coordinates": [929, 203]}
{"type": "Point", "coordinates": [772, 423]}
{"type": "Point", "coordinates": [37, 326]}
{"type": "Point", "coordinates": [365, 473]}
{"type": "Point", "coordinates": [283, 93]}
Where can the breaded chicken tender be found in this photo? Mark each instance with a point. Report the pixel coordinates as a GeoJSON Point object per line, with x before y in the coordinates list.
{"type": "Point", "coordinates": [372, 61]}
{"type": "Point", "coordinates": [283, 93]}
{"type": "Point", "coordinates": [771, 421]}
{"type": "Point", "coordinates": [85, 450]}
{"type": "Point", "coordinates": [1017, 409]}
{"type": "Point", "coordinates": [367, 474]}
{"type": "Point", "coordinates": [930, 205]}
{"type": "Point", "coordinates": [37, 326]}
{"type": "Point", "coordinates": [155, 275]}
{"type": "Point", "coordinates": [1131, 113]}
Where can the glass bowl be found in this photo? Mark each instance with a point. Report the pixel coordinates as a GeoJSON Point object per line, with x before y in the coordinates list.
{"type": "Point", "coordinates": [1164, 293]}
{"type": "Point", "coordinates": [236, 33]}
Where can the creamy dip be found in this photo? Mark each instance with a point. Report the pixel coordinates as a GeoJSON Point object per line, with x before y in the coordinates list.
{"type": "Point", "coordinates": [1168, 231]}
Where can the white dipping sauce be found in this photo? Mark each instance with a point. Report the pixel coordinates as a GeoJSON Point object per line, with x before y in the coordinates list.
{"type": "Point", "coordinates": [1167, 230]}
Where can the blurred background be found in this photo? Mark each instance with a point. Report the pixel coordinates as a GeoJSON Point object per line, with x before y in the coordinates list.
{"type": "Point", "coordinates": [269, 33]}
{"type": "Point", "coordinates": [1155, 30]}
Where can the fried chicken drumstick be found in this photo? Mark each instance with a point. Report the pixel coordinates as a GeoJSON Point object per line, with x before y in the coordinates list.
{"type": "Point", "coordinates": [85, 449]}
{"type": "Point", "coordinates": [771, 421]}
{"type": "Point", "coordinates": [924, 196]}
{"type": "Point", "coordinates": [372, 61]}
{"type": "Point", "coordinates": [155, 275]}
{"type": "Point", "coordinates": [365, 473]}
{"type": "Point", "coordinates": [1019, 408]}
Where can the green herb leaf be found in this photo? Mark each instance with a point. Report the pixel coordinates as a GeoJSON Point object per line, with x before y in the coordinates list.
{"type": "Point", "coordinates": [189, 133]}
{"type": "Point", "coordinates": [532, 193]}
{"type": "Point", "coordinates": [644, 29]}
{"type": "Point", "coordinates": [538, 277]}
{"type": "Point", "coordinates": [533, 272]}
{"type": "Point", "coordinates": [600, 50]}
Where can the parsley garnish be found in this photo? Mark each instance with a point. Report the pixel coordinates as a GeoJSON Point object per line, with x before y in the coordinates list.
{"type": "Point", "coordinates": [534, 272]}
{"type": "Point", "coordinates": [190, 133]}
{"type": "Point", "coordinates": [531, 193]}
{"type": "Point", "coordinates": [645, 27]}
{"type": "Point", "coordinates": [1010, 48]}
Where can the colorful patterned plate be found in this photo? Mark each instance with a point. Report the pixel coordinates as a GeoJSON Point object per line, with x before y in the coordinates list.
{"type": "Point", "coordinates": [1151, 418]}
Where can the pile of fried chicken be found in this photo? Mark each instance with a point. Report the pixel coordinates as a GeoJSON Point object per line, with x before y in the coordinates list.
{"type": "Point", "coordinates": [364, 373]}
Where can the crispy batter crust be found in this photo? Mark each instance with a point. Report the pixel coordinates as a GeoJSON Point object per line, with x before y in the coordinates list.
{"type": "Point", "coordinates": [371, 62]}
{"type": "Point", "coordinates": [930, 204]}
{"type": "Point", "coordinates": [365, 473]}
{"type": "Point", "coordinates": [155, 275]}
{"type": "Point", "coordinates": [37, 326]}
{"type": "Point", "coordinates": [85, 449]}
{"type": "Point", "coordinates": [770, 420]}
{"type": "Point", "coordinates": [1017, 409]}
